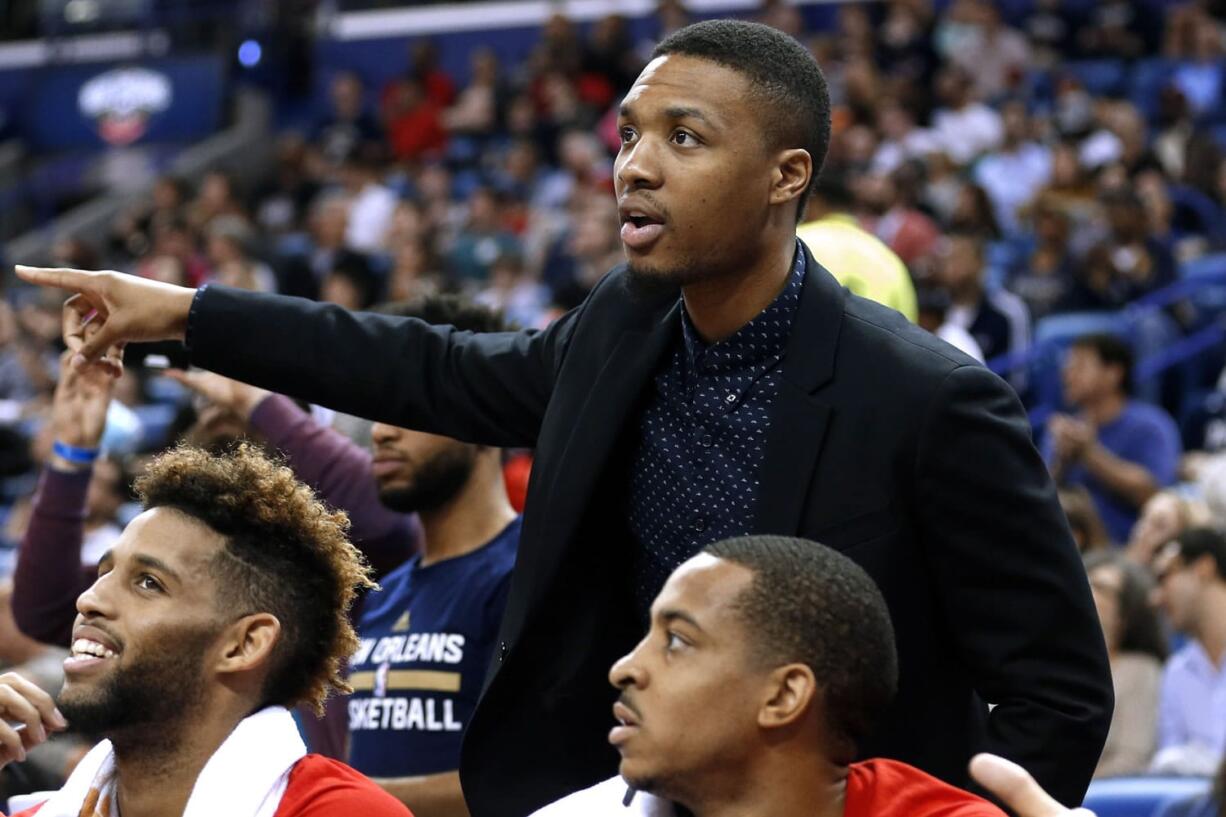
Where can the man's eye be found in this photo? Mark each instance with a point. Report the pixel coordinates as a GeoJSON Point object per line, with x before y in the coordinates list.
{"type": "Point", "coordinates": [146, 582]}
{"type": "Point", "coordinates": [627, 134]}
{"type": "Point", "coordinates": [675, 642]}
{"type": "Point", "coordinates": [685, 138]}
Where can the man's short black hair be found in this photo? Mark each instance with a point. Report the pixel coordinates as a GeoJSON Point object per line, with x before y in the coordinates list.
{"type": "Point", "coordinates": [782, 73]}
{"type": "Point", "coordinates": [1196, 543]}
{"type": "Point", "coordinates": [448, 310]}
{"type": "Point", "coordinates": [810, 604]}
{"type": "Point", "coordinates": [1112, 350]}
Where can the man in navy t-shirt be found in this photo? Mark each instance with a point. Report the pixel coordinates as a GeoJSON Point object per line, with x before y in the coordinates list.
{"type": "Point", "coordinates": [1121, 450]}
{"type": "Point", "coordinates": [427, 636]}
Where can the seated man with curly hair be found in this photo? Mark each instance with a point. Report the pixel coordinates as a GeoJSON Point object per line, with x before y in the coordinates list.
{"type": "Point", "coordinates": [222, 605]}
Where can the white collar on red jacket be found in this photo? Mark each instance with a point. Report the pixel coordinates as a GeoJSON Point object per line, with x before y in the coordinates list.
{"type": "Point", "coordinates": [612, 798]}
{"type": "Point", "coordinates": [245, 777]}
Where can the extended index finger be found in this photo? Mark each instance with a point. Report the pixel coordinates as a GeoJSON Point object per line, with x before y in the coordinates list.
{"type": "Point", "coordinates": [74, 280]}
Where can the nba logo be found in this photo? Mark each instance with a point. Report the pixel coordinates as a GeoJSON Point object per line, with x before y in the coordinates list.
{"type": "Point", "coordinates": [381, 679]}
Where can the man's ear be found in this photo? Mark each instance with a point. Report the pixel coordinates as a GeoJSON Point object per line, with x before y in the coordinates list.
{"type": "Point", "coordinates": [793, 171]}
{"type": "Point", "coordinates": [1205, 568]}
{"type": "Point", "coordinates": [792, 693]}
{"type": "Point", "coordinates": [249, 642]}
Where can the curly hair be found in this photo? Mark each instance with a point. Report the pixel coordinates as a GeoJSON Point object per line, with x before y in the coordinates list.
{"type": "Point", "coordinates": [285, 553]}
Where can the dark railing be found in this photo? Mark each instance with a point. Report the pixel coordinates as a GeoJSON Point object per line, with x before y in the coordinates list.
{"type": "Point", "coordinates": [1202, 285]}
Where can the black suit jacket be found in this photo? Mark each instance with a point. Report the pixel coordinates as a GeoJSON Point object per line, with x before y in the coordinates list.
{"type": "Point", "coordinates": [884, 443]}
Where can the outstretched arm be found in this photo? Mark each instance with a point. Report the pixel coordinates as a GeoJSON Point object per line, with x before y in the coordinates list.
{"type": "Point", "coordinates": [490, 388]}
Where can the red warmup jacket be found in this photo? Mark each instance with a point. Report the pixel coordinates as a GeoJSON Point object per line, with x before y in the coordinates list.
{"type": "Point", "coordinates": [322, 787]}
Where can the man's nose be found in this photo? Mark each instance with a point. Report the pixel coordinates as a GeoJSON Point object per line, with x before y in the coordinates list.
{"type": "Point", "coordinates": [638, 166]}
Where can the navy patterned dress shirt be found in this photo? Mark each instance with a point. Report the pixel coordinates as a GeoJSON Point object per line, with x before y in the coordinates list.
{"type": "Point", "coordinates": [702, 437]}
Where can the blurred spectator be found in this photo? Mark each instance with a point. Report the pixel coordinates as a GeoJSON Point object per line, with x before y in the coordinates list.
{"type": "Point", "coordinates": [609, 62]}
{"type": "Point", "coordinates": [993, 53]}
{"type": "Point", "coordinates": [905, 41]}
{"type": "Point", "coordinates": [281, 203]}
{"type": "Point", "coordinates": [933, 310]}
{"type": "Point", "coordinates": [1199, 76]}
{"type": "Point", "coordinates": [1123, 451]}
{"type": "Point", "coordinates": [973, 215]}
{"type": "Point", "coordinates": [1070, 189]}
{"type": "Point", "coordinates": [996, 320]}
{"type": "Point", "coordinates": [414, 272]}
{"type": "Point", "coordinates": [1166, 515]}
{"type": "Point", "coordinates": [176, 239]}
{"type": "Point", "coordinates": [229, 241]}
{"type": "Point", "coordinates": [895, 215]}
{"type": "Point", "coordinates": [414, 122]}
{"type": "Point", "coordinates": [134, 232]}
{"type": "Point", "coordinates": [1137, 648]}
{"type": "Point", "coordinates": [476, 109]}
{"type": "Point", "coordinates": [349, 124]}
{"type": "Point", "coordinates": [512, 293]}
{"type": "Point", "coordinates": [1130, 262]}
{"type": "Point", "coordinates": [579, 258]}
{"type": "Point", "coordinates": [483, 239]}
{"type": "Point", "coordinates": [1049, 26]}
{"type": "Point", "coordinates": [215, 199]}
{"type": "Point", "coordinates": [858, 259]}
{"type": "Point", "coordinates": [372, 204]}
{"type": "Point", "coordinates": [351, 283]}
{"type": "Point", "coordinates": [1089, 533]}
{"type": "Point", "coordinates": [1191, 571]}
{"type": "Point", "coordinates": [963, 126]}
{"type": "Point", "coordinates": [424, 69]}
{"type": "Point", "coordinates": [1046, 279]}
{"type": "Point", "coordinates": [901, 138]}
{"type": "Point", "coordinates": [1015, 173]}
{"type": "Point", "coordinates": [1115, 29]}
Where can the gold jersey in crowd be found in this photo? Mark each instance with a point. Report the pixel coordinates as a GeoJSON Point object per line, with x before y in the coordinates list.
{"type": "Point", "coordinates": [860, 261]}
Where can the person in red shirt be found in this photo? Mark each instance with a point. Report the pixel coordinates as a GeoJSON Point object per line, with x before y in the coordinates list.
{"type": "Point", "coordinates": [222, 605]}
{"type": "Point", "coordinates": [766, 662]}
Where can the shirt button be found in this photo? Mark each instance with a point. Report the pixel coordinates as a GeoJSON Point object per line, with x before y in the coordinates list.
{"type": "Point", "coordinates": [699, 524]}
{"type": "Point", "coordinates": [730, 399]}
{"type": "Point", "coordinates": [706, 441]}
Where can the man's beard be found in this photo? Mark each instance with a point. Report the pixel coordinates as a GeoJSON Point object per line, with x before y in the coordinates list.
{"type": "Point", "coordinates": [160, 685]}
{"type": "Point", "coordinates": [435, 482]}
{"type": "Point", "coordinates": [650, 283]}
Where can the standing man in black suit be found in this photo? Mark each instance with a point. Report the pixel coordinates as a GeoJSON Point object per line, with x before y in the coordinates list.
{"type": "Point", "coordinates": [764, 399]}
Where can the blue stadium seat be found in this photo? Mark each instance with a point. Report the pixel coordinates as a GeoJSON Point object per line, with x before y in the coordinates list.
{"type": "Point", "coordinates": [1140, 796]}
{"type": "Point", "coordinates": [1146, 82]}
{"type": "Point", "coordinates": [1214, 264]}
{"type": "Point", "coordinates": [1100, 77]}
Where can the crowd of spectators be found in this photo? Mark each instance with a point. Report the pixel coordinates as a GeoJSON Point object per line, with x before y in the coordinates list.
{"type": "Point", "coordinates": [1023, 160]}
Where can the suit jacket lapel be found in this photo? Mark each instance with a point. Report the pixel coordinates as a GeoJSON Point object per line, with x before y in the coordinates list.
{"type": "Point", "coordinates": [579, 464]}
{"type": "Point", "coordinates": [798, 418]}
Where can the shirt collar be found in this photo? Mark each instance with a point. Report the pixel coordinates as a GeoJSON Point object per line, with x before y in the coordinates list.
{"type": "Point", "coordinates": [759, 342]}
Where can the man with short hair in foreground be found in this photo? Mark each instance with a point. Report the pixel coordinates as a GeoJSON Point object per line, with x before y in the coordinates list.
{"type": "Point", "coordinates": [767, 660]}
{"type": "Point", "coordinates": [222, 605]}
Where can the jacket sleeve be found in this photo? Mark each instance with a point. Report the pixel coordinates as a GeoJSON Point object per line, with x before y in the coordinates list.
{"type": "Point", "coordinates": [489, 388]}
{"type": "Point", "coordinates": [1008, 574]}
{"type": "Point", "coordinates": [49, 575]}
{"type": "Point", "coordinates": [339, 471]}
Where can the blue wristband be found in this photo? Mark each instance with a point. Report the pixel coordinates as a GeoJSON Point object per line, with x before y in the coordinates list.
{"type": "Point", "coordinates": [81, 456]}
